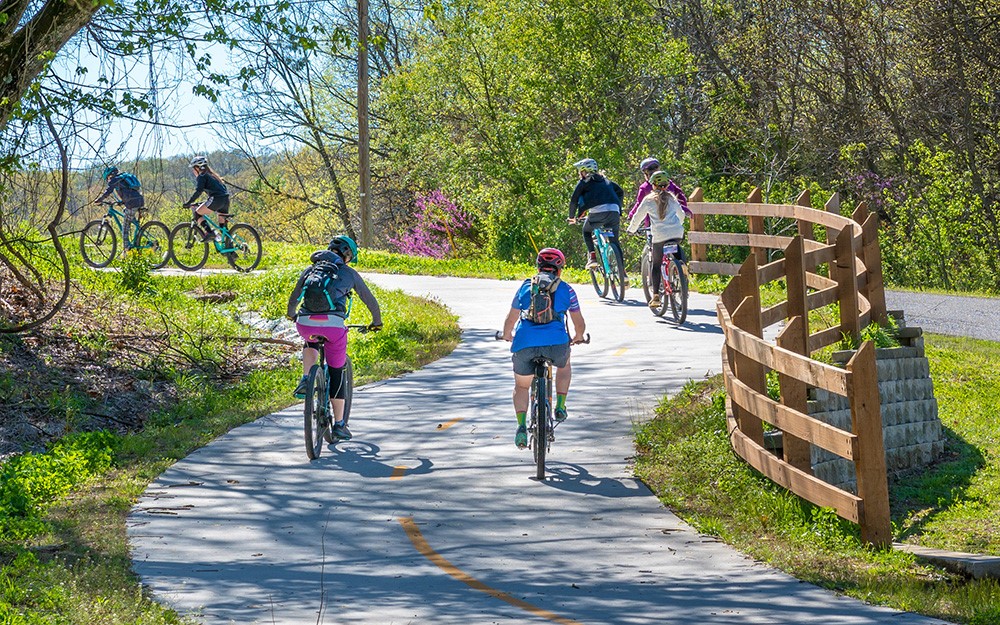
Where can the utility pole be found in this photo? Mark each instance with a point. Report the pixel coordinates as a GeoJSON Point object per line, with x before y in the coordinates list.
{"type": "Point", "coordinates": [364, 164]}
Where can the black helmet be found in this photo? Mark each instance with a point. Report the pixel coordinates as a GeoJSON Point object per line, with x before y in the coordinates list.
{"type": "Point", "coordinates": [345, 246]}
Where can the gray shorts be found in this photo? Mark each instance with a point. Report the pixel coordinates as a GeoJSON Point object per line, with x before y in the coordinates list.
{"type": "Point", "coordinates": [558, 354]}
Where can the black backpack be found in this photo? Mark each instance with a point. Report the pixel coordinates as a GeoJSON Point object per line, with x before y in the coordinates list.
{"type": "Point", "coordinates": [543, 289]}
{"type": "Point", "coordinates": [319, 294]}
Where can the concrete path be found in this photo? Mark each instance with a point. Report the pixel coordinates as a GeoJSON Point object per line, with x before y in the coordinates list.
{"type": "Point", "coordinates": [955, 315]}
{"type": "Point", "coordinates": [429, 515]}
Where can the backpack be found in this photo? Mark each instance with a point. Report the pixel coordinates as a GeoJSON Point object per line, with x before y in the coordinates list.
{"type": "Point", "coordinates": [318, 289]}
{"type": "Point", "coordinates": [130, 180]}
{"type": "Point", "coordinates": [541, 308]}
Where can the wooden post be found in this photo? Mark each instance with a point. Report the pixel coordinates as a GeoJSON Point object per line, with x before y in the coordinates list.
{"type": "Point", "coordinates": [871, 256]}
{"type": "Point", "coordinates": [796, 451]}
{"type": "Point", "coordinates": [805, 226]}
{"type": "Point", "coordinates": [742, 297]}
{"type": "Point", "coordinates": [755, 225]}
{"type": "Point", "coordinates": [699, 251]}
{"type": "Point", "coordinates": [866, 423]}
{"type": "Point", "coordinates": [832, 206]}
{"type": "Point", "coordinates": [844, 271]}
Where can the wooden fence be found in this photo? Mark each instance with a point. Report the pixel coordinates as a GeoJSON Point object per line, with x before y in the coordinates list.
{"type": "Point", "coordinates": [845, 269]}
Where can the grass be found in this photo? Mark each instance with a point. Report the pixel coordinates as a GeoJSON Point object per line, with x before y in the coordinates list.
{"type": "Point", "coordinates": [684, 456]}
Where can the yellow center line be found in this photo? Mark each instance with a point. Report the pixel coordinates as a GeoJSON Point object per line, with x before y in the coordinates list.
{"type": "Point", "coordinates": [621, 351]}
{"type": "Point", "coordinates": [418, 540]}
{"type": "Point", "coordinates": [398, 472]}
{"type": "Point", "coordinates": [448, 424]}
{"type": "Point", "coordinates": [630, 323]}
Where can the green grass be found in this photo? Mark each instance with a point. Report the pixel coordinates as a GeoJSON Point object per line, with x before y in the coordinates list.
{"type": "Point", "coordinates": [684, 456]}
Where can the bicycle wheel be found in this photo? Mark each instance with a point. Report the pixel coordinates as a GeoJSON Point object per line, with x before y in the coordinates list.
{"type": "Point", "coordinates": [644, 269]}
{"type": "Point", "coordinates": [317, 421]}
{"type": "Point", "coordinates": [187, 248]}
{"type": "Point", "coordinates": [616, 271]}
{"type": "Point", "coordinates": [665, 294]}
{"type": "Point", "coordinates": [597, 276]}
{"type": "Point", "coordinates": [153, 243]}
{"type": "Point", "coordinates": [348, 380]}
{"type": "Point", "coordinates": [678, 292]}
{"type": "Point", "coordinates": [539, 414]}
{"type": "Point", "coordinates": [246, 242]}
{"type": "Point", "coordinates": [98, 243]}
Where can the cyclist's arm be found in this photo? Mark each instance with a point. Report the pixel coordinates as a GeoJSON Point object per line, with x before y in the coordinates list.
{"type": "Point", "coordinates": [509, 323]}
{"type": "Point", "coordinates": [369, 300]}
{"type": "Point", "coordinates": [579, 326]}
{"type": "Point", "coordinates": [107, 192]}
{"type": "Point", "coordinates": [637, 218]}
{"type": "Point", "coordinates": [293, 298]}
{"type": "Point", "coordinates": [198, 190]}
{"type": "Point", "coordinates": [574, 202]}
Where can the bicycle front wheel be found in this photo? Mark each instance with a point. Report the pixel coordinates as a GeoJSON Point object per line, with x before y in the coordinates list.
{"type": "Point", "coordinates": [316, 413]}
{"type": "Point", "coordinates": [599, 279]}
{"type": "Point", "coordinates": [348, 383]}
{"type": "Point", "coordinates": [98, 243]}
{"type": "Point", "coordinates": [678, 292]}
{"type": "Point", "coordinates": [245, 241]}
{"type": "Point", "coordinates": [187, 248]}
{"type": "Point", "coordinates": [540, 414]}
{"type": "Point", "coordinates": [153, 243]}
{"type": "Point", "coordinates": [616, 271]}
{"type": "Point", "coordinates": [644, 269]}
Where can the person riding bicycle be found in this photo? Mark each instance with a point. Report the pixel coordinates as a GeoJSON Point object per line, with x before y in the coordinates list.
{"type": "Point", "coordinates": [665, 215]}
{"type": "Point", "coordinates": [530, 340]}
{"type": "Point", "coordinates": [648, 166]}
{"type": "Point", "coordinates": [328, 318]}
{"type": "Point", "coordinates": [601, 199]}
{"type": "Point", "coordinates": [218, 195]}
{"type": "Point", "coordinates": [126, 189]}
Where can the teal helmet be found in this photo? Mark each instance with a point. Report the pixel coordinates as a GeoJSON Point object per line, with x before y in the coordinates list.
{"type": "Point", "coordinates": [111, 170]}
{"type": "Point", "coordinates": [344, 245]}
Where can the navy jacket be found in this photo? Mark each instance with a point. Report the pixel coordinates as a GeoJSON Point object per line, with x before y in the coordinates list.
{"type": "Point", "coordinates": [595, 191]}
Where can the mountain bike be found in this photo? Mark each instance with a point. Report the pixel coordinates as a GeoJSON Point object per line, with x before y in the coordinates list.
{"type": "Point", "coordinates": [541, 423]}
{"type": "Point", "coordinates": [238, 243]}
{"type": "Point", "coordinates": [610, 266]}
{"type": "Point", "coordinates": [99, 238]}
{"type": "Point", "coordinates": [318, 413]}
{"type": "Point", "coordinates": [673, 279]}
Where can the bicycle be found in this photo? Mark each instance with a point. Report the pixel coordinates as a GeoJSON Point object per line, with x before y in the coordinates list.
{"type": "Point", "coordinates": [673, 279]}
{"type": "Point", "coordinates": [541, 423]}
{"type": "Point", "coordinates": [318, 413]}
{"type": "Point", "coordinates": [239, 244]}
{"type": "Point", "coordinates": [99, 238]}
{"type": "Point", "coordinates": [610, 265]}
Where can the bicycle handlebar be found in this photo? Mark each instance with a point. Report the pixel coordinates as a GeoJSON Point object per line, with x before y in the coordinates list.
{"type": "Point", "coordinates": [499, 337]}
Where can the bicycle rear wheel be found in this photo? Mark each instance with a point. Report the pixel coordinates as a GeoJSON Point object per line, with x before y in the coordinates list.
{"type": "Point", "coordinates": [187, 248]}
{"type": "Point", "coordinates": [678, 292]}
{"type": "Point", "coordinates": [661, 310]}
{"type": "Point", "coordinates": [616, 271]}
{"type": "Point", "coordinates": [98, 243]}
{"type": "Point", "coordinates": [246, 242]}
{"type": "Point", "coordinates": [348, 381]}
{"type": "Point", "coordinates": [316, 413]}
{"type": "Point", "coordinates": [153, 243]}
{"type": "Point", "coordinates": [539, 414]}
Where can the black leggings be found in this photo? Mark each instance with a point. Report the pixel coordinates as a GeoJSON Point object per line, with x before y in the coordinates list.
{"type": "Point", "coordinates": [657, 259]}
{"type": "Point", "coordinates": [610, 219]}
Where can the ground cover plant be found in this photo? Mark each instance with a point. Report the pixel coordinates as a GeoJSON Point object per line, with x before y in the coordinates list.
{"type": "Point", "coordinates": [685, 458]}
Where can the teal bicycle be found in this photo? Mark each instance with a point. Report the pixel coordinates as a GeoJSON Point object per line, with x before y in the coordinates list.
{"type": "Point", "coordinates": [610, 269]}
{"type": "Point", "coordinates": [238, 243]}
{"type": "Point", "coordinates": [99, 238]}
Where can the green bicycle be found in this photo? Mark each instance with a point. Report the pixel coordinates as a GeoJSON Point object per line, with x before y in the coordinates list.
{"type": "Point", "coordinates": [239, 243]}
{"type": "Point", "coordinates": [99, 239]}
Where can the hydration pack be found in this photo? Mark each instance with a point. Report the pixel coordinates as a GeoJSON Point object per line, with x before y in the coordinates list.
{"type": "Point", "coordinates": [319, 292]}
{"type": "Point", "coordinates": [543, 289]}
{"type": "Point", "coordinates": [130, 180]}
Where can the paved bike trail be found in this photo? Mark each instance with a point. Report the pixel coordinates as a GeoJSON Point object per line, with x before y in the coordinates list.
{"type": "Point", "coordinates": [429, 515]}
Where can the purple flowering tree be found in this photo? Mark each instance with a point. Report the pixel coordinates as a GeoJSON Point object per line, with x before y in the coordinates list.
{"type": "Point", "coordinates": [439, 228]}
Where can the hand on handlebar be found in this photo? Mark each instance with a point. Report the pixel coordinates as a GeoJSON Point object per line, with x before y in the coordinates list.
{"type": "Point", "coordinates": [578, 339]}
{"type": "Point", "coordinates": [573, 221]}
{"type": "Point", "coordinates": [500, 336]}
{"type": "Point", "coordinates": [374, 327]}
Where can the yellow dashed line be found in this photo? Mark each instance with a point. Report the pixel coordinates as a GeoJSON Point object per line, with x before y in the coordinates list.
{"type": "Point", "coordinates": [630, 323]}
{"type": "Point", "coordinates": [448, 424]}
{"type": "Point", "coordinates": [425, 550]}
{"type": "Point", "coordinates": [621, 351]}
{"type": "Point", "coordinates": [398, 473]}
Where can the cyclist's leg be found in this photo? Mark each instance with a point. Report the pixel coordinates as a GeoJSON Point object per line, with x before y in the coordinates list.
{"type": "Point", "coordinates": [564, 374]}
{"type": "Point", "coordinates": [654, 269]}
{"type": "Point", "coordinates": [336, 358]}
{"type": "Point", "coordinates": [524, 373]}
{"type": "Point", "coordinates": [220, 204]}
{"type": "Point", "coordinates": [129, 212]}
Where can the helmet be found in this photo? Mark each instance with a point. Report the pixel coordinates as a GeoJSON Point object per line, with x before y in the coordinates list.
{"type": "Point", "coordinates": [552, 258]}
{"type": "Point", "coordinates": [344, 245]}
{"type": "Point", "coordinates": [111, 170]}
{"type": "Point", "coordinates": [649, 164]}
{"type": "Point", "coordinates": [199, 162]}
{"type": "Point", "coordinates": [659, 179]}
{"type": "Point", "coordinates": [588, 165]}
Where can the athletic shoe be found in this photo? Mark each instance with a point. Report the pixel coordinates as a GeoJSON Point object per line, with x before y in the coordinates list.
{"type": "Point", "coordinates": [300, 390]}
{"type": "Point", "coordinates": [340, 431]}
{"type": "Point", "coordinates": [521, 437]}
{"type": "Point", "coordinates": [560, 415]}
{"type": "Point", "coordinates": [655, 301]}
{"type": "Point", "coordinates": [592, 263]}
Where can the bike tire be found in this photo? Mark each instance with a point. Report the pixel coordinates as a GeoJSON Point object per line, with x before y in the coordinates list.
{"type": "Point", "coordinates": [348, 379]}
{"type": "Point", "coordinates": [246, 240]}
{"type": "Point", "coordinates": [644, 269]}
{"type": "Point", "coordinates": [187, 248]}
{"type": "Point", "coordinates": [678, 292]}
{"type": "Point", "coordinates": [540, 437]}
{"type": "Point", "coordinates": [316, 422]}
{"type": "Point", "coordinates": [661, 310]}
{"type": "Point", "coordinates": [153, 243]}
{"type": "Point", "coordinates": [94, 247]}
{"type": "Point", "coordinates": [600, 281]}
{"type": "Point", "coordinates": [616, 266]}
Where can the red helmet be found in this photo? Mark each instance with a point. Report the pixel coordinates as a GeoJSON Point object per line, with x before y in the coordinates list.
{"type": "Point", "coordinates": [552, 258]}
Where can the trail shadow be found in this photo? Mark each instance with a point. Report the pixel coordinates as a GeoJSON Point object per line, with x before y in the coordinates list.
{"type": "Point", "coordinates": [361, 458]}
{"type": "Point", "coordinates": [688, 326]}
{"type": "Point", "coordinates": [576, 479]}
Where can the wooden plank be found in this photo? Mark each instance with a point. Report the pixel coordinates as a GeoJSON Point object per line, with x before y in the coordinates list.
{"type": "Point", "coordinates": [824, 297]}
{"type": "Point", "coordinates": [872, 257]}
{"type": "Point", "coordinates": [805, 226]}
{"type": "Point", "coordinates": [820, 256]}
{"type": "Point", "coordinates": [742, 295]}
{"type": "Point", "coordinates": [832, 207]}
{"type": "Point", "coordinates": [697, 224]}
{"type": "Point", "coordinates": [722, 269]}
{"type": "Point", "coordinates": [740, 239]}
{"type": "Point", "coordinates": [819, 340]}
{"type": "Point", "coordinates": [866, 422]}
{"type": "Point", "coordinates": [796, 445]}
{"type": "Point", "coordinates": [843, 271]}
{"type": "Point", "coordinates": [774, 270]}
{"type": "Point", "coordinates": [774, 314]}
{"type": "Point", "coordinates": [755, 224]}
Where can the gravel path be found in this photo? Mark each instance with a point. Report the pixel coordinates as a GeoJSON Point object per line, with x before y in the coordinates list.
{"type": "Point", "coordinates": [955, 315]}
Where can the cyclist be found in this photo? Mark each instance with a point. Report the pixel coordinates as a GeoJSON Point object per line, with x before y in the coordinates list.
{"type": "Point", "coordinates": [647, 167]}
{"type": "Point", "coordinates": [218, 195]}
{"type": "Point", "coordinates": [601, 199]}
{"type": "Point", "coordinates": [531, 340]}
{"type": "Point", "coordinates": [330, 323]}
{"type": "Point", "coordinates": [665, 215]}
{"type": "Point", "coordinates": [125, 187]}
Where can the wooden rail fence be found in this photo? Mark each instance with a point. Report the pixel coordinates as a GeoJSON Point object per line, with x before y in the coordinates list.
{"type": "Point", "coordinates": [846, 270]}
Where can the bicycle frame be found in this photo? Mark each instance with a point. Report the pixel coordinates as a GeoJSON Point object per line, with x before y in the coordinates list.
{"type": "Point", "coordinates": [223, 230]}
{"type": "Point", "coordinates": [603, 247]}
{"type": "Point", "coordinates": [669, 249]}
{"type": "Point", "coordinates": [119, 220]}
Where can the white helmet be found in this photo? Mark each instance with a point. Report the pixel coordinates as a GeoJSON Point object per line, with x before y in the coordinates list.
{"type": "Point", "coordinates": [199, 162]}
{"type": "Point", "coordinates": [588, 165]}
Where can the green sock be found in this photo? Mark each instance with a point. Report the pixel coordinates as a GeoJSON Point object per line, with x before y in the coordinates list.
{"type": "Point", "coordinates": [560, 401]}
{"type": "Point", "coordinates": [521, 416]}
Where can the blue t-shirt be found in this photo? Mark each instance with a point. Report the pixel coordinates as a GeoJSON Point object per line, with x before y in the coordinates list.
{"type": "Point", "coordinates": [531, 334]}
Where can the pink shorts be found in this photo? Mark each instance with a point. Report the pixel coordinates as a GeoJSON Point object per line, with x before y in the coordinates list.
{"type": "Point", "coordinates": [336, 342]}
